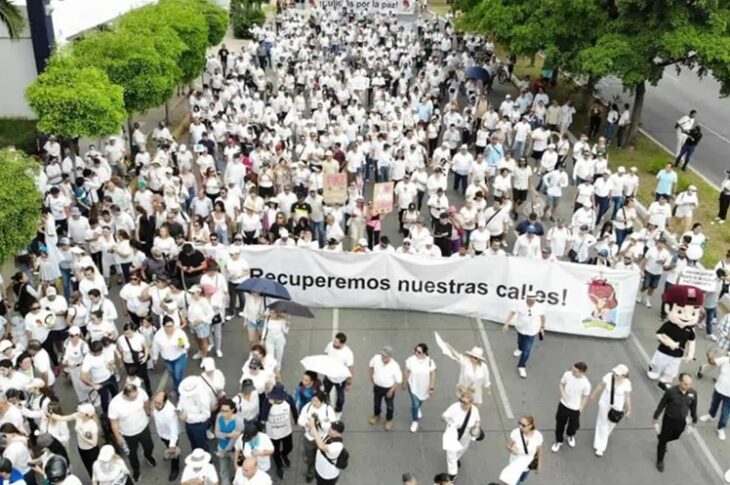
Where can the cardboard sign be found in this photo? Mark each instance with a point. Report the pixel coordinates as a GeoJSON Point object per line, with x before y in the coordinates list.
{"type": "Point", "coordinates": [383, 197]}
{"type": "Point", "coordinates": [335, 188]}
{"type": "Point", "coordinates": [703, 279]}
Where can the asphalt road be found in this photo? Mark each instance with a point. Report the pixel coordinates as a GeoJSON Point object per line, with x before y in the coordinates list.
{"type": "Point", "coordinates": [674, 96]}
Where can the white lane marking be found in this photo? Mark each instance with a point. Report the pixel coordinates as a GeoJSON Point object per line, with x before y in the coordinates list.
{"type": "Point", "coordinates": [673, 78]}
{"type": "Point", "coordinates": [693, 432]}
{"type": "Point", "coordinates": [670, 152]}
{"type": "Point", "coordinates": [496, 376]}
{"type": "Point", "coordinates": [707, 128]}
{"type": "Point", "coordinates": [335, 321]}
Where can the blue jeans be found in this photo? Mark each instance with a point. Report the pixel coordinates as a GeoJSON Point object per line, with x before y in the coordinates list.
{"type": "Point", "coordinates": [717, 400]}
{"type": "Point", "coordinates": [318, 233]}
{"type": "Point", "coordinates": [523, 477]}
{"type": "Point", "coordinates": [196, 435]}
{"type": "Point", "coordinates": [460, 180]}
{"type": "Point", "coordinates": [602, 203]}
{"type": "Point", "coordinates": [620, 236]}
{"type": "Point", "coordinates": [384, 174]}
{"type": "Point", "coordinates": [66, 275]}
{"type": "Point", "coordinates": [609, 132]}
{"type": "Point", "coordinates": [524, 344]}
{"type": "Point", "coordinates": [618, 203]}
{"type": "Point", "coordinates": [176, 369]}
{"type": "Point", "coordinates": [340, 388]}
{"type": "Point", "coordinates": [517, 149]}
{"type": "Point", "coordinates": [415, 405]}
{"type": "Point", "coordinates": [711, 315]}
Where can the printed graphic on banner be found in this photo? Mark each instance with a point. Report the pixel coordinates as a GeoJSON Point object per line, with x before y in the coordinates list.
{"type": "Point", "coordinates": [703, 279]}
{"type": "Point", "coordinates": [383, 197]}
{"type": "Point", "coordinates": [335, 188]}
{"type": "Point", "coordinates": [604, 313]}
{"type": "Point", "coordinates": [578, 299]}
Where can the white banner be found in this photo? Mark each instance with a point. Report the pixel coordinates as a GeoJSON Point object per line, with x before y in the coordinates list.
{"type": "Point", "coordinates": [579, 299]}
{"type": "Point", "coordinates": [370, 6]}
{"type": "Point", "coordinates": [704, 279]}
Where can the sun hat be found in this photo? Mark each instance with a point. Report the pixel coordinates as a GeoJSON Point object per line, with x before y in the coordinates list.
{"type": "Point", "coordinates": [198, 458]}
{"type": "Point", "coordinates": [620, 370]}
{"type": "Point", "coordinates": [476, 352]}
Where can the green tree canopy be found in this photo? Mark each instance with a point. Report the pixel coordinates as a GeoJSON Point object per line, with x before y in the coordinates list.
{"type": "Point", "coordinates": [20, 202]}
{"type": "Point", "coordinates": [132, 61]}
{"type": "Point", "coordinates": [71, 100]}
{"type": "Point", "coordinates": [217, 19]}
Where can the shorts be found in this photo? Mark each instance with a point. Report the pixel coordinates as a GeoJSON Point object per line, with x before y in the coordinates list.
{"type": "Point", "coordinates": [201, 330]}
{"type": "Point", "coordinates": [553, 201]}
{"type": "Point", "coordinates": [664, 366]}
{"type": "Point", "coordinates": [255, 325]}
{"type": "Point", "coordinates": [650, 281]}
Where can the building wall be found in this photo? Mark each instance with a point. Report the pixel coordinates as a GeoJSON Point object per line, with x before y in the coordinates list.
{"type": "Point", "coordinates": [71, 17]}
{"type": "Point", "coordinates": [19, 72]}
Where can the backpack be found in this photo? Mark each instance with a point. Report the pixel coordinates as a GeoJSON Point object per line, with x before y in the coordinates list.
{"type": "Point", "coordinates": [342, 459]}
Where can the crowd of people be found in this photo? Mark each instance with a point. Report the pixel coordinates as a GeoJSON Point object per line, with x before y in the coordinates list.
{"type": "Point", "coordinates": [162, 223]}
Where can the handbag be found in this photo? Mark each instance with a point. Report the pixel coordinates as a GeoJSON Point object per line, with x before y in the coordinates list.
{"type": "Point", "coordinates": [135, 354]}
{"type": "Point", "coordinates": [216, 319]}
{"type": "Point", "coordinates": [533, 463]}
{"type": "Point", "coordinates": [614, 415]}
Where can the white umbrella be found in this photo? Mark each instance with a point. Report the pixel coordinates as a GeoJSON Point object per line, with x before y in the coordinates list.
{"type": "Point", "coordinates": [328, 366]}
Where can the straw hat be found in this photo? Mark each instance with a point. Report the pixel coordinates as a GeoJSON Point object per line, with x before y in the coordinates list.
{"type": "Point", "coordinates": [198, 458]}
{"type": "Point", "coordinates": [476, 352]}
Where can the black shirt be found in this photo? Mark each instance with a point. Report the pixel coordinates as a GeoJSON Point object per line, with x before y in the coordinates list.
{"type": "Point", "coordinates": [677, 405]}
{"type": "Point", "coordinates": [521, 228]}
{"type": "Point", "coordinates": [679, 335]}
{"type": "Point", "coordinates": [192, 260]}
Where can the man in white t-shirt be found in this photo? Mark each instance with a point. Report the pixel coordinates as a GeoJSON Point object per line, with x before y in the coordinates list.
{"type": "Point", "coordinates": [128, 414]}
{"type": "Point", "coordinates": [656, 260]}
{"type": "Point", "coordinates": [250, 474]}
{"type": "Point", "coordinates": [338, 349]}
{"type": "Point", "coordinates": [529, 318]}
{"type": "Point", "coordinates": [386, 375]}
{"type": "Point", "coordinates": [720, 394]}
{"type": "Point", "coordinates": [329, 450]}
{"type": "Point", "coordinates": [575, 389]}
{"type": "Point", "coordinates": [254, 444]}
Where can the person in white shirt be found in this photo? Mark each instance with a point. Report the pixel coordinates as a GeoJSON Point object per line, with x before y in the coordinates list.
{"type": "Point", "coordinates": [615, 394]}
{"type": "Point", "coordinates": [527, 245]}
{"type": "Point", "coordinates": [660, 211]}
{"type": "Point", "coordinates": [420, 380]}
{"type": "Point", "coordinates": [529, 321]}
{"type": "Point", "coordinates": [338, 349]}
{"type": "Point", "coordinates": [171, 344]}
{"type": "Point", "coordinates": [656, 260]}
{"type": "Point", "coordinates": [109, 468]}
{"type": "Point", "coordinates": [558, 237]}
{"type": "Point", "coordinates": [130, 425]}
{"type": "Point", "coordinates": [555, 181]}
{"type": "Point", "coordinates": [385, 374]}
{"type": "Point", "coordinates": [250, 474]}
{"type": "Point", "coordinates": [199, 469]}
{"type": "Point", "coordinates": [325, 416]}
{"type": "Point", "coordinates": [463, 425]}
{"type": "Point", "coordinates": [168, 429]}
{"type": "Point", "coordinates": [575, 389]}
{"type": "Point", "coordinates": [97, 373]}
{"type": "Point", "coordinates": [194, 410]}
{"type": "Point", "coordinates": [683, 126]}
{"type": "Point", "coordinates": [329, 448]}
{"type": "Point", "coordinates": [252, 443]}
{"type": "Point", "coordinates": [524, 445]}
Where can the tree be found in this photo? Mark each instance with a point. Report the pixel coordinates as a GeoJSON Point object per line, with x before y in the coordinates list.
{"type": "Point", "coordinates": [12, 17]}
{"type": "Point", "coordinates": [245, 14]}
{"type": "Point", "coordinates": [642, 38]}
{"type": "Point", "coordinates": [217, 19]}
{"type": "Point", "coordinates": [20, 202]}
{"type": "Point", "coordinates": [70, 100]}
{"type": "Point", "coordinates": [185, 19]}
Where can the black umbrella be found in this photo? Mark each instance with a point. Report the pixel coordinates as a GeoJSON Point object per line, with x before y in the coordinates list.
{"type": "Point", "coordinates": [292, 308]}
{"type": "Point", "coordinates": [265, 287]}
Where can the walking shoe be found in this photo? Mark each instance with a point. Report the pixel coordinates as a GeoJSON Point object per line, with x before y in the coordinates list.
{"type": "Point", "coordinates": [241, 314]}
{"type": "Point", "coordinates": [151, 461]}
{"type": "Point", "coordinates": [286, 461]}
{"type": "Point", "coordinates": [280, 472]}
{"type": "Point", "coordinates": [660, 466]}
{"type": "Point", "coordinates": [662, 385]}
{"type": "Point", "coordinates": [571, 441]}
{"type": "Point", "coordinates": [135, 476]}
{"type": "Point", "coordinates": [647, 302]}
{"type": "Point", "coordinates": [173, 475]}
{"type": "Point", "coordinates": [388, 425]}
{"type": "Point", "coordinates": [229, 318]}
{"type": "Point", "coordinates": [374, 420]}
{"type": "Point", "coordinates": [197, 355]}
{"type": "Point", "coordinates": [517, 353]}
{"type": "Point", "coordinates": [721, 434]}
{"type": "Point", "coordinates": [556, 447]}
{"type": "Point", "coordinates": [522, 372]}
{"type": "Point", "coordinates": [209, 434]}
{"type": "Point", "coordinates": [638, 298]}
{"type": "Point", "coordinates": [706, 418]}
{"type": "Point", "coordinates": [211, 345]}
{"type": "Point", "coordinates": [599, 453]}
{"type": "Point", "coordinates": [218, 353]}
{"type": "Point", "coordinates": [414, 426]}
{"type": "Point", "coordinates": [712, 337]}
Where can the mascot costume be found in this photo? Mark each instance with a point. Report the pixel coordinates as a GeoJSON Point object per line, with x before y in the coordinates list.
{"type": "Point", "coordinates": [683, 307]}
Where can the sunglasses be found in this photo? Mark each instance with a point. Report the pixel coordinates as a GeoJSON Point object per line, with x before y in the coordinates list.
{"type": "Point", "coordinates": [35, 308]}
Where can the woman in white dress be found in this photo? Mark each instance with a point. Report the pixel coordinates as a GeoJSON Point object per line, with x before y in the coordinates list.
{"type": "Point", "coordinates": [473, 369]}
{"type": "Point", "coordinates": [615, 391]}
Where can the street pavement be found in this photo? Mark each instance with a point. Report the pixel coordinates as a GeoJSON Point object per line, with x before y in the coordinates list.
{"type": "Point", "coordinates": [674, 96]}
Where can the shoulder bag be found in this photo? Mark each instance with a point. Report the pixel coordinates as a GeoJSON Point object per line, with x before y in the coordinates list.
{"type": "Point", "coordinates": [533, 463]}
{"type": "Point", "coordinates": [613, 415]}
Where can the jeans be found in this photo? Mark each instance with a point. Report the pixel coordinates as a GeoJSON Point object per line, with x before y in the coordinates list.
{"type": "Point", "coordinates": [235, 294]}
{"type": "Point", "coordinates": [145, 439]}
{"type": "Point", "coordinates": [620, 136]}
{"type": "Point", "coordinates": [711, 315]}
{"type": "Point", "coordinates": [196, 435]}
{"type": "Point", "coordinates": [620, 236]}
{"type": "Point", "coordinates": [340, 388]}
{"type": "Point", "coordinates": [460, 180]}
{"type": "Point", "coordinates": [380, 393]}
{"type": "Point", "coordinates": [524, 344]}
{"type": "Point", "coordinates": [618, 203]}
{"type": "Point", "coordinates": [384, 174]}
{"type": "Point", "coordinates": [176, 369]}
{"type": "Point", "coordinates": [563, 417]}
{"type": "Point", "coordinates": [225, 459]}
{"type": "Point", "coordinates": [66, 275]}
{"type": "Point", "coordinates": [719, 400]}
{"type": "Point", "coordinates": [107, 391]}
{"type": "Point", "coordinates": [415, 405]}
{"type": "Point", "coordinates": [686, 152]}
{"type": "Point", "coordinates": [318, 232]}
{"type": "Point", "coordinates": [518, 149]}
{"type": "Point", "coordinates": [602, 203]}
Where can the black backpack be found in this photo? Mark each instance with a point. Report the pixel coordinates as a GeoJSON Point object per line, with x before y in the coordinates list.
{"type": "Point", "coordinates": [342, 459]}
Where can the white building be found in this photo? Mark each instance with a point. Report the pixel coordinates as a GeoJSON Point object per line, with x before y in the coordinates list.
{"type": "Point", "coordinates": [50, 22]}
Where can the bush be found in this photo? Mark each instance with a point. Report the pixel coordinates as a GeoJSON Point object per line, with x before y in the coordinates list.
{"type": "Point", "coordinates": [245, 15]}
{"type": "Point", "coordinates": [217, 19]}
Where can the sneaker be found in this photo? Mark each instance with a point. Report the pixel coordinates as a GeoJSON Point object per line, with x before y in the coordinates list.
{"type": "Point", "coordinates": [241, 314]}
{"type": "Point", "coordinates": [388, 425]}
{"type": "Point", "coordinates": [197, 355]}
{"type": "Point", "coordinates": [556, 447]}
{"type": "Point", "coordinates": [599, 453]}
{"type": "Point", "coordinates": [517, 353]}
{"type": "Point", "coordinates": [522, 372]}
{"type": "Point", "coordinates": [374, 420]}
{"type": "Point", "coordinates": [660, 466]}
{"type": "Point", "coordinates": [229, 318]}
{"type": "Point", "coordinates": [173, 475]}
{"type": "Point", "coordinates": [705, 418]}
{"type": "Point", "coordinates": [218, 353]}
{"type": "Point", "coordinates": [286, 461]}
{"type": "Point", "coordinates": [571, 441]}
{"type": "Point", "coordinates": [721, 434]}
{"type": "Point", "coordinates": [151, 461]}
{"type": "Point", "coordinates": [414, 426]}
{"type": "Point", "coordinates": [638, 298]}
{"type": "Point", "coordinates": [209, 434]}
{"type": "Point", "coordinates": [712, 337]}
{"type": "Point", "coordinates": [647, 302]}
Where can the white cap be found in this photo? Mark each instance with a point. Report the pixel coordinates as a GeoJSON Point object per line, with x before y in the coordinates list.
{"type": "Point", "coordinates": [283, 233]}
{"type": "Point", "coordinates": [5, 345]}
{"type": "Point", "coordinates": [106, 453]}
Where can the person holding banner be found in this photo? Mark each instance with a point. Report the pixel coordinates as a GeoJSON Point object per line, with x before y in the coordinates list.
{"type": "Point", "coordinates": [529, 317]}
